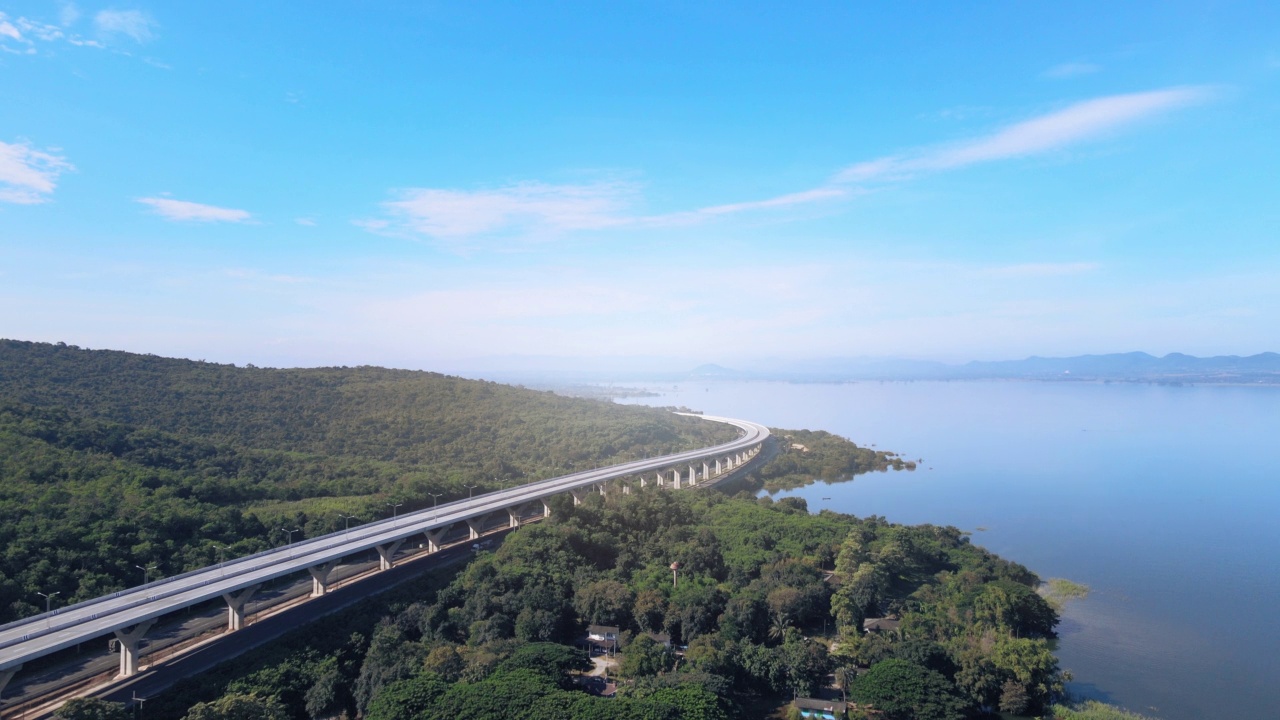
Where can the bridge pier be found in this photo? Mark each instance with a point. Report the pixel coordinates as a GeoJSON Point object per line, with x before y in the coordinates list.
{"type": "Point", "coordinates": [513, 516]}
{"type": "Point", "coordinates": [473, 524]}
{"type": "Point", "coordinates": [387, 554]}
{"type": "Point", "coordinates": [675, 478]}
{"type": "Point", "coordinates": [546, 509]}
{"type": "Point", "coordinates": [434, 537]}
{"type": "Point", "coordinates": [578, 495]}
{"type": "Point", "coordinates": [6, 675]}
{"type": "Point", "coordinates": [235, 607]}
{"type": "Point", "coordinates": [320, 577]}
{"type": "Point", "coordinates": [626, 489]}
{"type": "Point", "coordinates": [719, 468]}
{"type": "Point", "coordinates": [129, 641]}
{"type": "Point", "coordinates": [693, 475]}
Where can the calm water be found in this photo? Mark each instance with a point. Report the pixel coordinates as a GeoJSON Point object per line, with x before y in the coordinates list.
{"type": "Point", "coordinates": [1164, 500]}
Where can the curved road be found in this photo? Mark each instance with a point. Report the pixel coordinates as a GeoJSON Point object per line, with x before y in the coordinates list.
{"type": "Point", "coordinates": [44, 634]}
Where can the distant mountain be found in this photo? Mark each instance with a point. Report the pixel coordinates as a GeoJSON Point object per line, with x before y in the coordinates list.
{"type": "Point", "coordinates": [711, 371]}
{"type": "Point", "coordinates": [1264, 367]}
{"type": "Point", "coordinates": [1133, 367]}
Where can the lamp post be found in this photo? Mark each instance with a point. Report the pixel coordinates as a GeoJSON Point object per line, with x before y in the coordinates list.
{"type": "Point", "coordinates": [221, 558]}
{"type": "Point", "coordinates": [435, 499]}
{"type": "Point", "coordinates": [346, 525]}
{"type": "Point", "coordinates": [145, 571]}
{"type": "Point", "coordinates": [470, 488]}
{"type": "Point", "coordinates": [394, 507]}
{"type": "Point", "coordinates": [48, 599]}
{"type": "Point", "coordinates": [290, 532]}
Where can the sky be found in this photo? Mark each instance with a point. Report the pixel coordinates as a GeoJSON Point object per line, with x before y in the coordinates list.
{"type": "Point", "coordinates": [470, 185]}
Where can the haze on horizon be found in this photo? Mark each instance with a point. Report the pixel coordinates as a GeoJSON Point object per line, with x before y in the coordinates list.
{"type": "Point", "coordinates": [467, 183]}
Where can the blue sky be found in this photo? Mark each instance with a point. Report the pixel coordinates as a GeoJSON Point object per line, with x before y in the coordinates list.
{"type": "Point", "coordinates": [459, 185]}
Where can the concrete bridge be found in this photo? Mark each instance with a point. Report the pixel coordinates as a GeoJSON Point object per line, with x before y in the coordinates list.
{"type": "Point", "coordinates": [129, 614]}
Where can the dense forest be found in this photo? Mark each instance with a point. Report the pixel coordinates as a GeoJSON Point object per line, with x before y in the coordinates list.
{"type": "Point", "coordinates": [769, 603]}
{"type": "Point", "coordinates": [111, 460]}
{"type": "Point", "coordinates": [727, 606]}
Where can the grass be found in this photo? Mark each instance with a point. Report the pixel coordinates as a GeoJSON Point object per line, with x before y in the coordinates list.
{"type": "Point", "coordinates": [1057, 591]}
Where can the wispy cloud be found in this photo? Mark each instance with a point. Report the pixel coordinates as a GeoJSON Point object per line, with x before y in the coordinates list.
{"type": "Point", "coordinates": [305, 221]}
{"type": "Point", "coordinates": [7, 29]}
{"type": "Point", "coordinates": [68, 14]}
{"type": "Point", "coordinates": [134, 24]}
{"type": "Point", "coordinates": [540, 209]}
{"type": "Point", "coordinates": [788, 200]}
{"type": "Point", "coordinates": [1075, 124]}
{"type": "Point", "coordinates": [1070, 70]}
{"type": "Point", "coordinates": [184, 211]}
{"type": "Point", "coordinates": [531, 208]}
{"type": "Point", "coordinates": [27, 175]}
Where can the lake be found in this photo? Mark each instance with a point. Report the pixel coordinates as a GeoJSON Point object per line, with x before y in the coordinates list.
{"type": "Point", "coordinates": [1164, 500]}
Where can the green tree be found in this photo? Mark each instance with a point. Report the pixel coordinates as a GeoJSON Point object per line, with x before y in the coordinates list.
{"type": "Point", "coordinates": [445, 661]}
{"type": "Point", "coordinates": [905, 691]}
{"type": "Point", "coordinates": [604, 602]}
{"type": "Point", "coordinates": [91, 709]}
{"type": "Point", "coordinates": [644, 656]}
{"type": "Point", "coordinates": [406, 698]}
{"type": "Point", "coordinates": [239, 707]}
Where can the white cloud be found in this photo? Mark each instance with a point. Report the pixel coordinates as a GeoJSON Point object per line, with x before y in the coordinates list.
{"type": "Point", "coordinates": [797, 198]}
{"type": "Point", "coordinates": [184, 211]}
{"type": "Point", "coordinates": [1071, 69]}
{"type": "Point", "coordinates": [1077, 123]}
{"type": "Point", "coordinates": [132, 23]}
{"type": "Point", "coordinates": [68, 14]}
{"type": "Point", "coordinates": [7, 29]}
{"type": "Point", "coordinates": [533, 208]}
{"type": "Point", "coordinates": [539, 209]}
{"type": "Point", "coordinates": [28, 176]}
{"type": "Point", "coordinates": [305, 222]}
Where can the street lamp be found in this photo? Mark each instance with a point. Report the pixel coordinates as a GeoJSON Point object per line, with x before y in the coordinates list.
{"type": "Point", "coordinates": [470, 488]}
{"type": "Point", "coordinates": [393, 507]}
{"type": "Point", "coordinates": [346, 526]}
{"type": "Point", "coordinates": [291, 532]}
{"type": "Point", "coordinates": [145, 571]}
{"type": "Point", "coordinates": [47, 600]}
{"type": "Point", "coordinates": [435, 499]}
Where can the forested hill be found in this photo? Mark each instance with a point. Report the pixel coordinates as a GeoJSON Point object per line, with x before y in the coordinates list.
{"type": "Point", "coordinates": [401, 416]}
{"type": "Point", "coordinates": [113, 460]}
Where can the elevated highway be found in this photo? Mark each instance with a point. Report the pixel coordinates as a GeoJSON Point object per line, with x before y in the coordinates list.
{"type": "Point", "coordinates": [128, 614]}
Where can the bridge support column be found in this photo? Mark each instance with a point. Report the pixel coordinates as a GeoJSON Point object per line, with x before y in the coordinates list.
{"type": "Point", "coordinates": [546, 509]}
{"type": "Point", "coordinates": [577, 496]}
{"type": "Point", "coordinates": [6, 675]}
{"type": "Point", "coordinates": [675, 477]}
{"type": "Point", "coordinates": [235, 607]}
{"type": "Point", "coordinates": [320, 577]}
{"type": "Point", "coordinates": [642, 481]}
{"type": "Point", "coordinates": [719, 467]}
{"type": "Point", "coordinates": [513, 516]}
{"type": "Point", "coordinates": [129, 641]}
{"type": "Point", "coordinates": [626, 489]}
{"type": "Point", "coordinates": [600, 487]}
{"type": "Point", "coordinates": [387, 554]}
{"type": "Point", "coordinates": [433, 539]}
{"type": "Point", "coordinates": [693, 475]}
{"type": "Point", "coordinates": [706, 470]}
{"type": "Point", "coordinates": [474, 525]}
